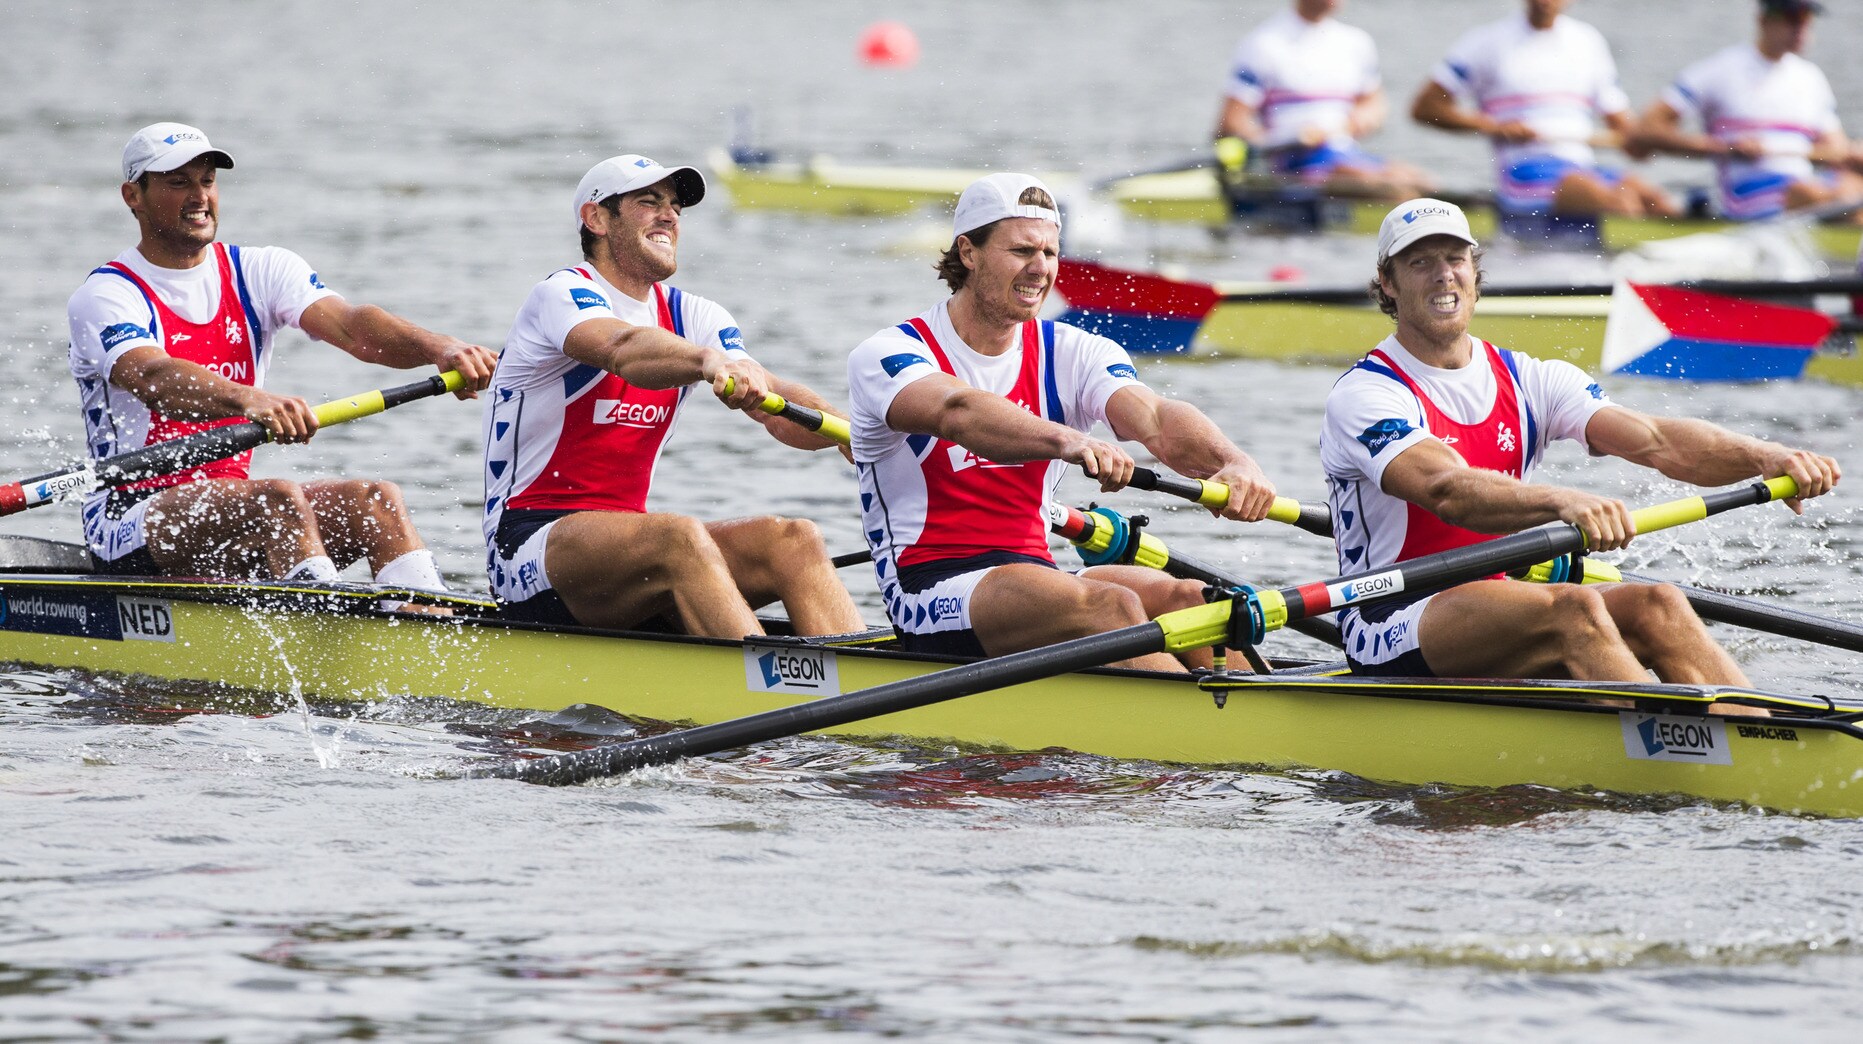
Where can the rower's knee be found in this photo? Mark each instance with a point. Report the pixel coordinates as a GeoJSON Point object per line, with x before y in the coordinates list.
{"type": "Point", "coordinates": [1110, 606]}
{"type": "Point", "coordinates": [280, 499]}
{"type": "Point", "coordinates": [1580, 620]}
{"type": "Point", "coordinates": [1658, 613]}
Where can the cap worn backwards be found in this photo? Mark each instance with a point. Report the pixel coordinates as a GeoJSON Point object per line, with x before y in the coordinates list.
{"type": "Point", "coordinates": [993, 198]}
{"type": "Point", "coordinates": [630, 173]}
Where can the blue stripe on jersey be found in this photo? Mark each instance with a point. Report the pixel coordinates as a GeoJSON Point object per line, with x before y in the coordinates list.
{"type": "Point", "coordinates": [245, 302]}
{"type": "Point", "coordinates": [155, 320]}
{"type": "Point", "coordinates": [1377, 367]}
{"type": "Point", "coordinates": [1055, 412]}
{"type": "Point", "coordinates": [675, 303]}
{"type": "Point", "coordinates": [579, 378]}
{"type": "Point", "coordinates": [917, 444]}
{"type": "Point", "coordinates": [910, 331]}
{"type": "Point", "coordinates": [1532, 448]}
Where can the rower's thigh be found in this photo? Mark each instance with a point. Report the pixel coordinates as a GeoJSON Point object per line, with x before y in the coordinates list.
{"type": "Point", "coordinates": [756, 548]}
{"type": "Point", "coordinates": [1158, 591]}
{"type": "Point", "coordinates": [1018, 607]}
{"type": "Point", "coordinates": [625, 558]}
{"type": "Point", "coordinates": [1508, 629]}
{"type": "Point", "coordinates": [218, 522]}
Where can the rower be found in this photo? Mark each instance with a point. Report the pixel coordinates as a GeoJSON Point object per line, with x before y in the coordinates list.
{"type": "Point", "coordinates": [175, 335]}
{"type": "Point", "coordinates": [966, 416]}
{"type": "Point", "coordinates": [1429, 444]}
{"type": "Point", "coordinates": [1769, 121]}
{"type": "Point", "coordinates": [597, 366]}
{"type": "Point", "coordinates": [1538, 85]}
{"type": "Point", "coordinates": [1303, 88]}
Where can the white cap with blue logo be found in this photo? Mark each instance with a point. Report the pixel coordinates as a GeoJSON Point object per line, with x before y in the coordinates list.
{"type": "Point", "coordinates": [162, 147]}
{"type": "Point", "coordinates": [1418, 219]}
{"type": "Point", "coordinates": [629, 173]}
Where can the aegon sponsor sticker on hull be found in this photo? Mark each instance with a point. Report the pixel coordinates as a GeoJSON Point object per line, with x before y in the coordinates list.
{"type": "Point", "coordinates": [791, 668]}
{"type": "Point", "coordinates": [1674, 737]}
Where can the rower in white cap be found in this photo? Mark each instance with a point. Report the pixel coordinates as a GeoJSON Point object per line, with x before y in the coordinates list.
{"type": "Point", "coordinates": [964, 419]}
{"type": "Point", "coordinates": [1428, 445]}
{"type": "Point", "coordinates": [175, 335]}
{"type": "Point", "coordinates": [593, 375]}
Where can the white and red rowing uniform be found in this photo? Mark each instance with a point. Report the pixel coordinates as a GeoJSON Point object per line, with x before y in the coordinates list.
{"type": "Point", "coordinates": [1498, 412]}
{"type": "Point", "coordinates": [562, 436]}
{"type": "Point", "coordinates": [1786, 105]}
{"type": "Point", "coordinates": [936, 515]}
{"type": "Point", "coordinates": [1300, 75]}
{"type": "Point", "coordinates": [1559, 81]}
{"type": "Point", "coordinates": [221, 314]}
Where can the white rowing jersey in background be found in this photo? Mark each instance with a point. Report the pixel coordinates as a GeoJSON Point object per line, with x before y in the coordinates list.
{"type": "Point", "coordinates": [1558, 81]}
{"type": "Point", "coordinates": [1786, 105]}
{"type": "Point", "coordinates": [1299, 74]}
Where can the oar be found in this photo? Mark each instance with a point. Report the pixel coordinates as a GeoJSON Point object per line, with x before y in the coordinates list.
{"type": "Point", "coordinates": [1244, 619]}
{"type": "Point", "coordinates": [1750, 613]}
{"type": "Point", "coordinates": [192, 451]}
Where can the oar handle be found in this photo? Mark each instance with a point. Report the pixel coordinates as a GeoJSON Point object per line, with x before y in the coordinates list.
{"type": "Point", "coordinates": [204, 447]}
{"type": "Point", "coordinates": [827, 425]}
{"type": "Point", "coordinates": [1271, 610]}
{"type": "Point", "coordinates": [1314, 518]}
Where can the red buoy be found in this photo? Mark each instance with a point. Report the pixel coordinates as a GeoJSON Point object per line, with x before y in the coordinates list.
{"type": "Point", "coordinates": [889, 44]}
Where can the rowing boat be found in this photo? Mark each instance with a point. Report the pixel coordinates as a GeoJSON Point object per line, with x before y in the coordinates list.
{"type": "Point", "coordinates": [823, 186]}
{"type": "Point", "coordinates": [332, 641]}
{"type": "Point", "coordinates": [1336, 326]}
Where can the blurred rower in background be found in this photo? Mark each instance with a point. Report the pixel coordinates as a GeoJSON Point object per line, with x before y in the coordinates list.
{"type": "Point", "coordinates": [1303, 88]}
{"type": "Point", "coordinates": [1769, 121]}
{"type": "Point", "coordinates": [1539, 85]}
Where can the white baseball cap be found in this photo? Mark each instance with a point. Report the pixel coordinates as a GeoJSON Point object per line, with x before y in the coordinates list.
{"type": "Point", "coordinates": [618, 174]}
{"type": "Point", "coordinates": [993, 198]}
{"type": "Point", "coordinates": [1420, 218]}
{"type": "Point", "coordinates": [162, 147]}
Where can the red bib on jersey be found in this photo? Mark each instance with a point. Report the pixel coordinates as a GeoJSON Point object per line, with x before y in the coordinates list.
{"type": "Point", "coordinates": [1491, 443]}
{"type": "Point", "coordinates": [975, 506]}
{"type": "Point", "coordinates": [225, 344]}
{"type": "Point", "coordinates": [612, 434]}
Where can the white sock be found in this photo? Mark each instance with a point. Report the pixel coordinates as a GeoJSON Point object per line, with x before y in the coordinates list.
{"type": "Point", "coordinates": [414, 569]}
{"type": "Point", "coordinates": [316, 567]}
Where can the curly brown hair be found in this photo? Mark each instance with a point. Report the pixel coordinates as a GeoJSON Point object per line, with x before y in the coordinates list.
{"type": "Point", "coordinates": [951, 265]}
{"type": "Point", "coordinates": [1388, 304]}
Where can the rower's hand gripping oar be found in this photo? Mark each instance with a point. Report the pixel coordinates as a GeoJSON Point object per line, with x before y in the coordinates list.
{"type": "Point", "coordinates": [192, 451]}
{"type": "Point", "coordinates": [1315, 519]}
{"type": "Point", "coordinates": [1244, 618]}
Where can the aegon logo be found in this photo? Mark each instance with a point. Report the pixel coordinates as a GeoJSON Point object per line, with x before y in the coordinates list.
{"type": "Point", "coordinates": [145, 619]}
{"type": "Point", "coordinates": [787, 668]}
{"type": "Point", "coordinates": [232, 371]}
{"type": "Point", "coordinates": [631, 414]}
{"type": "Point", "coordinates": [1672, 737]}
{"type": "Point", "coordinates": [1353, 590]}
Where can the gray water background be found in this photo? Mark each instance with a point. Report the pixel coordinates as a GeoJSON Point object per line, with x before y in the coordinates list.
{"type": "Point", "coordinates": [169, 876]}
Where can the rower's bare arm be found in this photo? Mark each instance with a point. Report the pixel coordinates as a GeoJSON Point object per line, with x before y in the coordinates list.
{"type": "Point", "coordinates": [1368, 113]}
{"type": "Point", "coordinates": [789, 433]}
{"type": "Point", "coordinates": [376, 335]}
{"type": "Point", "coordinates": [189, 391]}
{"type": "Point", "coordinates": [1435, 478]}
{"type": "Point", "coordinates": [1436, 107]}
{"type": "Point", "coordinates": [1185, 440]}
{"type": "Point", "coordinates": [1239, 120]}
{"type": "Point", "coordinates": [1833, 149]}
{"type": "Point", "coordinates": [1660, 130]}
{"type": "Point", "coordinates": [999, 431]}
{"type": "Point", "coordinates": [649, 357]}
{"type": "Point", "coordinates": [1705, 454]}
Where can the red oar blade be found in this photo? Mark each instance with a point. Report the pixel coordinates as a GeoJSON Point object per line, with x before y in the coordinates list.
{"type": "Point", "coordinates": [1143, 312]}
{"type": "Point", "coordinates": [1665, 331]}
